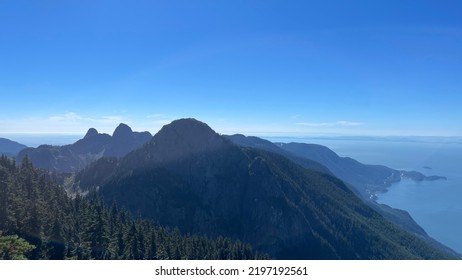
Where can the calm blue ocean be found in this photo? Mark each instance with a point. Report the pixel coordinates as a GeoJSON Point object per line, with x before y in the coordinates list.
{"type": "Point", "coordinates": [436, 206]}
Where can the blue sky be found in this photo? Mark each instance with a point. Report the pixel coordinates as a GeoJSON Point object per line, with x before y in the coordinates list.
{"type": "Point", "coordinates": [256, 67]}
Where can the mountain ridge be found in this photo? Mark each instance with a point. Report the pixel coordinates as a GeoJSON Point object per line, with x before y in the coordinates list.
{"type": "Point", "coordinates": [396, 216]}
{"type": "Point", "coordinates": [94, 145]}
{"type": "Point", "coordinates": [259, 143]}
{"type": "Point", "coordinates": [368, 179]}
{"type": "Point", "coordinates": [9, 147]}
{"type": "Point", "coordinates": [211, 186]}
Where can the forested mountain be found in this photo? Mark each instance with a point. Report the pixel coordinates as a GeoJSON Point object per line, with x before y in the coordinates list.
{"type": "Point", "coordinates": [262, 144]}
{"type": "Point", "coordinates": [190, 177]}
{"type": "Point", "coordinates": [10, 148]}
{"type": "Point", "coordinates": [74, 157]}
{"type": "Point", "coordinates": [39, 221]}
{"type": "Point", "coordinates": [368, 179]}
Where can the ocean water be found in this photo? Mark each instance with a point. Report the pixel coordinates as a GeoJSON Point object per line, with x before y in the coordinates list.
{"type": "Point", "coordinates": [436, 206]}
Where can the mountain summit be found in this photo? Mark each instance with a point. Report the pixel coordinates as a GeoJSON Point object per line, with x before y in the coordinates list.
{"type": "Point", "coordinates": [190, 177]}
{"type": "Point", "coordinates": [185, 137]}
{"type": "Point", "coordinates": [125, 140]}
{"type": "Point", "coordinates": [189, 130]}
{"type": "Point", "coordinates": [122, 131]}
{"type": "Point", "coordinates": [91, 132]}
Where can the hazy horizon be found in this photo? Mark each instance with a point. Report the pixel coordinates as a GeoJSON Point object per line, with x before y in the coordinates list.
{"type": "Point", "coordinates": [58, 139]}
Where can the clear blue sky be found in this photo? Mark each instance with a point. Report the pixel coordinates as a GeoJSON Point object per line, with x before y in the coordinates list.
{"type": "Point", "coordinates": [256, 67]}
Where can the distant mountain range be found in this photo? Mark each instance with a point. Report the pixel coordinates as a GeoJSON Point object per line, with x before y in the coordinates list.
{"type": "Point", "coordinates": [188, 176]}
{"type": "Point", "coordinates": [74, 157]}
{"type": "Point", "coordinates": [283, 199]}
{"type": "Point", "coordinates": [366, 180]}
{"type": "Point", "coordinates": [10, 148]}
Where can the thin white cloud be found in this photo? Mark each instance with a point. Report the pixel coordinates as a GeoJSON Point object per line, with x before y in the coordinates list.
{"type": "Point", "coordinates": [70, 116]}
{"type": "Point", "coordinates": [156, 116]}
{"type": "Point", "coordinates": [161, 122]}
{"type": "Point", "coordinates": [329, 124]}
{"type": "Point", "coordinates": [111, 120]}
{"type": "Point", "coordinates": [159, 119]}
{"type": "Point", "coordinates": [315, 124]}
{"type": "Point", "coordinates": [348, 123]}
{"type": "Point", "coordinates": [74, 117]}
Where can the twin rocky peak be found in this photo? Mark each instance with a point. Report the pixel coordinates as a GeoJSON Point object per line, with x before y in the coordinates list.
{"type": "Point", "coordinates": [74, 157]}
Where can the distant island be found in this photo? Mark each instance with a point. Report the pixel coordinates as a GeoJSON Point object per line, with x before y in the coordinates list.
{"type": "Point", "coordinates": [417, 176]}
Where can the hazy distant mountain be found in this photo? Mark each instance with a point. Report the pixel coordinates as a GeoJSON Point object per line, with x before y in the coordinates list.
{"type": "Point", "coordinates": [74, 157]}
{"type": "Point", "coordinates": [397, 216]}
{"type": "Point", "coordinates": [368, 179]}
{"type": "Point", "coordinates": [10, 148]}
{"type": "Point", "coordinates": [190, 177]}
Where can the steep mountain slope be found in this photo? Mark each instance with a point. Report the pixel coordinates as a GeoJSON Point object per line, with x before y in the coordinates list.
{"type": "Point", "coordinates": [396, 216]}
{"type": "Point", "coordinates": [189, 177]}
{"type": "Point", "coordinates": [259, 143]}
{"type": "Point", "coordinates": [10, 148]}
{"type": "Point", "coordinates": [74, 157]}
{"type": "Point", "coordinates": [262, 144]}
{"type": "Point", "coordinates": [35, 207]}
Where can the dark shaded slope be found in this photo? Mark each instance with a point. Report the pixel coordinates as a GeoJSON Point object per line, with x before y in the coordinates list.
{"type": "Point", "coordinates": [262, 144]}
{"type": "Point", "coordinates": [34, 207]}
{"type": "Point", "coordinates": [324, 154]}
{"type": "Point", "coordinates": [190, 177]}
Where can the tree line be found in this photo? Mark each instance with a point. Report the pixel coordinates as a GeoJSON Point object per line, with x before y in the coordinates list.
{"type": "Point", "coordinates": [38, 220]}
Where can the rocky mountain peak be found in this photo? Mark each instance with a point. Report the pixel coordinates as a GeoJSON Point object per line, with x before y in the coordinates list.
{"type": "Point", "coordinates": [91, 132]}
{"type": "Point", "coordinates": [122, 131]}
